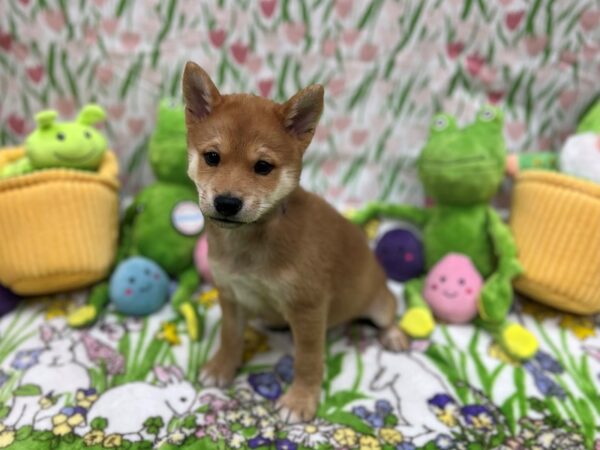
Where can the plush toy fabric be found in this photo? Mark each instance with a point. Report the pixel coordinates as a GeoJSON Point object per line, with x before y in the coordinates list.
{"type": "Point", "coordinates": [8, 300]}
{"type": "Point", "coordinates": [138, 286]}
{"type": "Point", "coordinates": [452, 289]}
{"type": "Point", "coordinates": [163, 222]}
{"type": "Point", "coordinates": [72, 145]}
{"type": "Point", "coordinates": [518, 162]}
{"type": "Point", "coordinates": [461, 170]}
{"type": "Point", "coordinates": [400, 253]}
{"type": "Point", "coordinates": [167, 164]}
{"type": "Point", "coordinates": [580, 156]}
{"type": "Point", "coordinates": [201, 259]}
{"type": "Point", "coordinates": [590, 123]}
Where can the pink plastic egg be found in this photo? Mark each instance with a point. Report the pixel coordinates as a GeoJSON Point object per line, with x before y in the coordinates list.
{"type": "Point", "coordinates": [452, 289]}
{"type": "Point", "coordinates": [201, 259]}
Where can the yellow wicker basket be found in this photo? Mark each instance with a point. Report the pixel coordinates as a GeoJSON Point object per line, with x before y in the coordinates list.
{"type": "Point", "coordinates": [555, 219]}
{"type": "Point", "coordinates": [58, 227]}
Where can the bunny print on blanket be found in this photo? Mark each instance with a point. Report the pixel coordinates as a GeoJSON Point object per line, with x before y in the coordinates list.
{"type": "Point", "coordinates": [56, 373]}
{"type": "Point", "coordinates": [173, 396]}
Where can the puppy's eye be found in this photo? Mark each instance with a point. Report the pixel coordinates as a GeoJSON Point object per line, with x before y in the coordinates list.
{"type": "Point", "coordinates": [262, 167]}
{"type": "Point", "coordinates": [212, 158]}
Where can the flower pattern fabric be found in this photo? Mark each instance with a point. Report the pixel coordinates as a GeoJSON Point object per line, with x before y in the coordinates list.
{"type": "Point", "coordinates": [387, 66]}
{"type": "Point", "coordinates": [482, 398]}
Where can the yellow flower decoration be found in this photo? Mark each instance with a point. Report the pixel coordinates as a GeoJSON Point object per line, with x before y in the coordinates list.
{"type": "Point", "coordinates": [85, 401]}
{"type": "Point", "coordinates": [46, 402]}
{"type": "Point", "coordinates": [369, 443]}
{"type": "Point", "coordinates": [169, 334]}
{"type": "Point", "coordinates": [372, 228]}
{"type": "Point", "coordinates": [448, 417]}
{"type": "Point", "coordinates": [59, 419]}
{"type": "Point", "coordinates": [112, 441]}
{"type": "Point", "coordinates": [62, 429]}
{"type": "Point", "coordinates": [497, 352]}
{"type": "Point", "coordinates": [581, 327]}
{"type": "Point", "coordinates": [391, 436]}
{"type": "Point", "coordinates": [176, 438]}
{"type": "Point", "coordinates": [7, 436]}
{"type": "Point", "coordinates": [483, 421]}
{"type": "Point", "coordinates": [75, 420]}
{"type": "Point", "coordinates": [58, 308]}
{"type": "Point", "coordinates": [348, 213]}
{"type": "Point", "coordinates": [310, 429]}
{"type": "Point", "coordinates": [345, 437]}
{"type": "Point", "coordinates": [254, 342]}
{"type": "Point", "coordinates": [209, 298]}
{"type": "Point", "coordinates": [538, 311]}
{"type": "Point", "coordinates": [94, 437]}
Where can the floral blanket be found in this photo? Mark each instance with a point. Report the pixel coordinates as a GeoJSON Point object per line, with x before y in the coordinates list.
{"type": "Point", "coordinates": [130, 383]}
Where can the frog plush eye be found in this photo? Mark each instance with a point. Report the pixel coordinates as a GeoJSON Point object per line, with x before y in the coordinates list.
{"type": "Point", "coordinates": [487, 115]}
{"type": "Point", "coordinates": [440, 123]}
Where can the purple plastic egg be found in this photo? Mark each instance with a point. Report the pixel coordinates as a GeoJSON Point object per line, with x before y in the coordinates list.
{"type": "Point", "coordinates": [400, 252]}
{"type": "Point", "coordinates": [8, 300]}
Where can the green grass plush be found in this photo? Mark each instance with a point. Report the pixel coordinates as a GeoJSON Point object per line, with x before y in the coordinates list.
{"type": "Point", "coordinates": [163, 223]}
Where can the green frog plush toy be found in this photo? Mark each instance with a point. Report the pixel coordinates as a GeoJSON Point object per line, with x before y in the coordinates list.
{"type": "Point", "coordinates": [72, 145]}
{"type": "Point", "coordinates": [162, 224]}
{"type": "Point", "coordinates": [461, 170]}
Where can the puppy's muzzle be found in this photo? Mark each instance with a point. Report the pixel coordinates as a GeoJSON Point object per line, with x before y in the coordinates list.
{"type": "Point", "coordinates": [227, 205]}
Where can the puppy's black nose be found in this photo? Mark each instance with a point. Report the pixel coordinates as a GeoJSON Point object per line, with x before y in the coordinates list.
{"type": "Point", "coordinates": [228, 206]}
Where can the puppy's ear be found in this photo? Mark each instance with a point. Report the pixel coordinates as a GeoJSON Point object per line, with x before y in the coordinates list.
{"type": "Point", "coordinates": [301, 113]}
{"type": "Point", "coordinates": [199, 92]}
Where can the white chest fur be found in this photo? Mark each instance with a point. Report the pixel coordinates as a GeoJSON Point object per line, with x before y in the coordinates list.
{"type": "Point", "coordinates": [256, 292]}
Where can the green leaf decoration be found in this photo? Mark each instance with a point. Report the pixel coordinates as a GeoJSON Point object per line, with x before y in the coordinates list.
{"type": "Point", "coordinates": [23, 432]}
{"type": "Point", "coordinates": [44, 436]}
{"type": "Point", "coordinates": [350, 420]}
{"type": "Point", "coordinates": [27, 390]}
{"type": "Point", "coordinates": [99, 423]}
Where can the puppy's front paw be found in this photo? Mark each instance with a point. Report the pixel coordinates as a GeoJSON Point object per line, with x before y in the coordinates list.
{"type": "Point", "coordinates": [298, 405]}
{"type": "Point", "coordinates": [394, 339]}
{"type": "Point", "coordinates": [218, 372]}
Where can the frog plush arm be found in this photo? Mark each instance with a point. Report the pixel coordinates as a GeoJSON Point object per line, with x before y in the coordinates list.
{"type": "Point", "coordinates": [21, 166]}
{"type": "Point", "coordinates": [182, 303]}
{"type": "Point", "coordinates": [372, 210]}
{"type": "Point", "coordinates": [497, 293]}
{"type": "Point", "coordinates": [496, 297]}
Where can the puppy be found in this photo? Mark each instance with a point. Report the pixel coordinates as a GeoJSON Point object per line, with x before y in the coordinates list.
{"type": "Point", "coordinates": [276, 251]}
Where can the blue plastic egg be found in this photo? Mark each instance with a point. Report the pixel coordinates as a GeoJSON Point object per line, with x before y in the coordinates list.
{"type": "Point", "coordinates": [138, 287]}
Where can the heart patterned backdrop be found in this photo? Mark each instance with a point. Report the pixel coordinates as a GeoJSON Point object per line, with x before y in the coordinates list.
{"type": "Point", "coordinates": [387, 65]}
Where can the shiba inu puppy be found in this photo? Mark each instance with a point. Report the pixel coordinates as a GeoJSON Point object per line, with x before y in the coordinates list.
{"type": "Point", "coordinates": [277, 252]}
